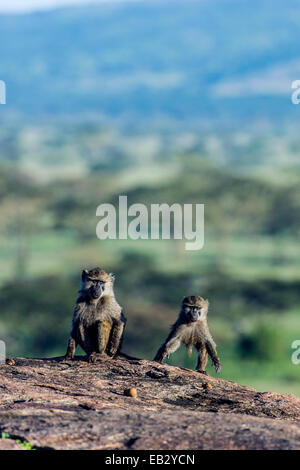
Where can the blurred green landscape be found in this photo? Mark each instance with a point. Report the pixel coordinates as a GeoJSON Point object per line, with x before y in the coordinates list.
{"type": "Point", "coordinates": [249, 267]}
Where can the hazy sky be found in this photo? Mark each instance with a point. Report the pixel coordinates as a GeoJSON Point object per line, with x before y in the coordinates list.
{"type": "Point", "coordinates": [29, 5]}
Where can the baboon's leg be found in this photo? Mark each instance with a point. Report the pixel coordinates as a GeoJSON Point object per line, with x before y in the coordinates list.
{"type": "Point", "coordinates": [83, 339]}
{"type": "Point", "coordinates": [102, 336]}
{"type": "Point", "coordinates": [103, 333]}
{"type": "Point", "coordinates": [202, 358]}
{"type": "Point", "coordinates": [211, 349]}
{"type": "Point", "coordinates": [170, 346]}
{"type": "Point", "coordinates": [116, 336]}
{"type": "Point", "coordinates": [71, 348]}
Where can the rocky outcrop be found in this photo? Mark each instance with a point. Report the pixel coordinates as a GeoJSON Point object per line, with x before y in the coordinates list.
{"type": "Point", "coordinates": [76, 405]}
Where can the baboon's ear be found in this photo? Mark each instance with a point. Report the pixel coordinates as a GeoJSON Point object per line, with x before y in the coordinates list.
{"type": "Point", "coordinates": [84, 273]}
{"type": "Point", "coordinates": [207, 302]}
{"type": "Point", "coordinates": [113, 277]}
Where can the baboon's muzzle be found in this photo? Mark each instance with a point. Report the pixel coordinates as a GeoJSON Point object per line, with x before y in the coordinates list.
{"type": "Point", "coordinates": [194, 316]}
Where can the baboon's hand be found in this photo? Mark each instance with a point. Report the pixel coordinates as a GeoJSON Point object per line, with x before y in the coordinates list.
{"type": "Point", "coordinates": [161, 354]}
{"type": "Point", "coordinates": [94, 357]}
{"type": "Point", "coordinates": [217, 365]}
{"type": "Point", "coordinates": [159, 358]}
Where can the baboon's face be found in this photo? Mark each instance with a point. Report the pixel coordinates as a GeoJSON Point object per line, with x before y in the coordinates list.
{"type": "Point", "coordinates": [97, 280]}
{"type": "Point", "coordinates": [195, 308]}
{"type": "Point", "coordinates": [97, 286]}
{"type": "Point", "coordinates": [192, 314]}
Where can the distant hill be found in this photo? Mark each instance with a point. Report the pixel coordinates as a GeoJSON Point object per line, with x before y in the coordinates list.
{"type": "Point", "coordinates": [228, 62]}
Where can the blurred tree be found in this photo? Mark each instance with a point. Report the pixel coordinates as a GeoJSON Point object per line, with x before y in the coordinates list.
{"type": "Point", "coordinates": [263, 342]}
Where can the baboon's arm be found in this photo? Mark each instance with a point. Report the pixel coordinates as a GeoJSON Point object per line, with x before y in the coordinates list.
{"type": "Point", "coordinates": [171, 344]}
{"type": "Point", "coordinates": [72, 343]}
{"type": "Point", "coordinates": [70, 348]}
{"type": "Point", "coordinates": [211, 349]}
{"type": "Point", "coordinates": [161, 354]}
{"type": "Point", "coordinates": [116, 336]}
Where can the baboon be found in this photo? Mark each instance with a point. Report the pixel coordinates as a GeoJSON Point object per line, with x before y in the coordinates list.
{"type": "Point", "coordinates": [191, 329]}
{"type": "Point", "coordinates": [98, 321]}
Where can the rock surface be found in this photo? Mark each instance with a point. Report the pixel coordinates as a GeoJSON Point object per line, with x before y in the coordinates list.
{"type": "Point", "coordinates": [10, 444]}
{"type": "Point", "coordinates": [76, 405]}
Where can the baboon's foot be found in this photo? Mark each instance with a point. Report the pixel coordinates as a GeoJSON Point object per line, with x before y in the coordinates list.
{"type": "Point", "coordinates": [67, 357]}
{"type": "Point", "coordinates": [95, 357]}
{"type": "Point", "coordinates": [113, 354]}
{"type": "Point", "coordinates": [202, 372]}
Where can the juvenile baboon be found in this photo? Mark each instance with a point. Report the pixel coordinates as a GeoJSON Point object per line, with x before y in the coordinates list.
{"type": "Point", "coordinates": [191, 329]}
{"type": "Point", "coordinates": [98, 321]}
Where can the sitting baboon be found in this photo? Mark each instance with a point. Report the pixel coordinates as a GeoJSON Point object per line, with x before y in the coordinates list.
{"type": "Point", "coordinates": [98, 321]}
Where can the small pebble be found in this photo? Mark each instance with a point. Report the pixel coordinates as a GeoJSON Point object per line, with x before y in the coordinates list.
{"type": "Point", "coordinates": [207, 386]}
{"type": "Point", "coordinates": [98, 383]}
{"type": "Point", "coordinates": [10, 361]}
{"type": "Point", "coordinates": [130, 392]}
